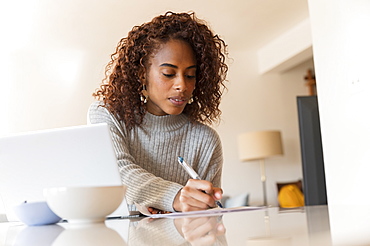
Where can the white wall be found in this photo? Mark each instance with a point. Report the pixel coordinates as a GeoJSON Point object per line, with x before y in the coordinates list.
{"type": "Point", "coordinates": [256, 102]}
{"type": "Point", "coordinates": [53, 56]}
{"type": "Point", "coordinates": [54, 53]}
{"type": "Point", "coordinates": [342, 68]}
{"type": "Point", "coordinates": [341, 49]}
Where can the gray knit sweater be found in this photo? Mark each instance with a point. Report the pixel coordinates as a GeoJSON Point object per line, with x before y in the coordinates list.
{"type": "Point", "coordinates": [147, 155]}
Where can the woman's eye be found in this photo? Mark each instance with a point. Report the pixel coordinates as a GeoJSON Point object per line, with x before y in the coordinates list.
{"type": "Point", "coordinates": [169, 75]}
{"type": "Point", "coordinates": [190, 76]}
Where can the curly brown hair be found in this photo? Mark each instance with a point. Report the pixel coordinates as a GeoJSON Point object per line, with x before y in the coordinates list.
{"type": "Point", "coordinates": [121, 87]}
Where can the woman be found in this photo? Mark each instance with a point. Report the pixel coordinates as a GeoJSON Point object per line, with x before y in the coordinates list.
{"type": "Point", "coordinates": [162, 89]}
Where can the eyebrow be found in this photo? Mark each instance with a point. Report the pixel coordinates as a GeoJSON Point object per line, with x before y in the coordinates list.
{"type": "Point", "coordinates": [174, 66]}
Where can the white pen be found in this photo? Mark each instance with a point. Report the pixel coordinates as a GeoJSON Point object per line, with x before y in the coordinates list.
{"type": "Point", "coordinates": [192, 174]}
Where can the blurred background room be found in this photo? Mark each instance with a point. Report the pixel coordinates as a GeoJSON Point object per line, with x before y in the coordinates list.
{"type": "Point", "coordinates": [53, 55]}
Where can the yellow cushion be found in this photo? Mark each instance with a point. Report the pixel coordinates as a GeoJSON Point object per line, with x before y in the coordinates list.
{"type": "Point", "coordinates": [290, 196]}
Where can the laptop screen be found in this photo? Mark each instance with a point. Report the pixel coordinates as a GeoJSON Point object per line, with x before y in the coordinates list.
{"type": "Point", "coordinates": [70, 156]}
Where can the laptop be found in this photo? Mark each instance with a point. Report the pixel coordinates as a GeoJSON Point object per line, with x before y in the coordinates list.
{"type": "Point", "coordinates": [70, 156]}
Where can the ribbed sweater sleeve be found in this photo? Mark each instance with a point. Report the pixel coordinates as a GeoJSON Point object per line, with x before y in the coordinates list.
{"type": "Point", "coordinates": [147, 155]}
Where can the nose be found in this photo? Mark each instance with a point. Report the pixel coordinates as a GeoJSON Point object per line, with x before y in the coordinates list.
{"type": "Point", "coordinates": [180, 83]}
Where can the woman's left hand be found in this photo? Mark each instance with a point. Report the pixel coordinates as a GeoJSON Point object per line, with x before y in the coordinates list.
{"type": "Point", "coordinates": [157, 211]}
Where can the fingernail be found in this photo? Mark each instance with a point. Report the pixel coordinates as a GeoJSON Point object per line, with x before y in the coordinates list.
{"type": "Point", "coordinates": [220, 228]}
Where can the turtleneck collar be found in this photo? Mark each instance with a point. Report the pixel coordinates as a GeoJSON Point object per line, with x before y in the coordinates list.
{"type": "Point", "coordinates": [156, 123]}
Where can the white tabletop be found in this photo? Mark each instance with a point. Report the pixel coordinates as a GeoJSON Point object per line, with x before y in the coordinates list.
{"type": "Point", "coordinates": [272, 226]}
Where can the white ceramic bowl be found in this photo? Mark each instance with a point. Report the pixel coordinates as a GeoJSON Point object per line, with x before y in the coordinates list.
{"type": "Point", "coordinates": [84, 204]}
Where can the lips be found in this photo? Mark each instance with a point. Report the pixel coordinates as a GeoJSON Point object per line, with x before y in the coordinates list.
{"type": "Point", "coordinates": [178, 101]}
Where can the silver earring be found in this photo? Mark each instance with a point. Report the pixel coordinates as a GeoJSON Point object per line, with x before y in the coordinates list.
{"type": "Point", "coordinates": [191, 100]}
{"type": "Point", "coordinates": [144, 95]}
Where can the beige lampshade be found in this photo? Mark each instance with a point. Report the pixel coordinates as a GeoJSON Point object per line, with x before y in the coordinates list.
{"type": "Point", "coordinates": [259, 145]}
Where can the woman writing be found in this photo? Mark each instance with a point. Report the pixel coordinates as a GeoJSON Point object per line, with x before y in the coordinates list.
{"type": "Point", "coordinates": [162, 90]}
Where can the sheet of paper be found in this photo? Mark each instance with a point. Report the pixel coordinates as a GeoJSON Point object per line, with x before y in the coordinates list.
{"type": "Point", "coordinates": [208, 212]}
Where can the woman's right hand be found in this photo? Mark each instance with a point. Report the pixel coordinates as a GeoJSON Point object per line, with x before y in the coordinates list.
{"type": "Point", "coordinates": [197, 195]}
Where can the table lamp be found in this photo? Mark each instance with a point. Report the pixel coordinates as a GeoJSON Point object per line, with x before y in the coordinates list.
{"type": "Point", "coordinates": [259, 145]}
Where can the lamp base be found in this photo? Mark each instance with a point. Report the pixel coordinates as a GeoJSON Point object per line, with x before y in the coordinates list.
{"type": "Point", "coordinates": [263, 180]}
